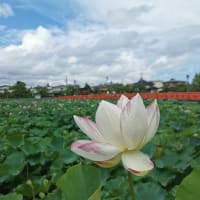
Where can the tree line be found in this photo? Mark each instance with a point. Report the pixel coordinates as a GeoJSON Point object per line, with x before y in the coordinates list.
{"type": "Point", "coordinates": [19, 90]}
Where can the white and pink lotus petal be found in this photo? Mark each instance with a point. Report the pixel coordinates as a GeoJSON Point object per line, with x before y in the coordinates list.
{"type": "Point", "coordinates": [110, 163]}
{"type": "Point", "coordinates": [89, 128]}
{"type": "Point", "coordinates": [95, 151]}
{"type": "Point", "coordinates": [137, 162]}
{"type": "Point", "coordinates": [118, 134]}
{"type": "Point", "coordinates": [153, 117]}
{"type": "Point", "coordinates": [123, 100]}
{"type": "Point", "coordinates": [108, 123]}
{"type": "Point", "coordinates": [134, 123]}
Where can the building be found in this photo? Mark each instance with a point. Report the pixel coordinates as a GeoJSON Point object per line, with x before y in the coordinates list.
{"type": "Point", "coordinates": [56, 90]}
{"type": "Point", "coordinates": [172, 83]}
{"type": "Point", "coordinates": [144, 86]}
{"type": "Point", "coordinates": [159, 85]}
{"type": "Point", "coordinates": [5, 88]}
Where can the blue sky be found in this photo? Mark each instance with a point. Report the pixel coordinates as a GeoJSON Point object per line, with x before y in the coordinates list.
{"type": "Point", "coordinates": [47, 41]}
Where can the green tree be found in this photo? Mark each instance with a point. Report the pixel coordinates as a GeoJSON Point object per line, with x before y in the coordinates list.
{"type": "Point", "coordinates": [116, 87]}
{"type": "Point", "coordinates": [128, 88]}
{"type": "Point", "coordinates": [19, 90]}
{"type": "Point", "coordinates": [195, 86]}
{"type": "Point", "coordinates": [139, 87]}
{"type": "Point", "coordinates": [43, 91]}
{"type": "Point", "coordinates": [181, 87]}
{"type": "Point", "coordinates": [6, 94]}
{"type": "Point", "coordinates": [72, 89]}
{"type": "Point", "coordinates": [87, 88]}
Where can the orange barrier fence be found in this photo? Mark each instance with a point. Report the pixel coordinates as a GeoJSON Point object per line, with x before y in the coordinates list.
{"type": "Point", "coordinates": [154, 95]}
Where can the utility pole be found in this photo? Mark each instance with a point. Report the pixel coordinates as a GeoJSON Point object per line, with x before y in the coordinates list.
{"type": "Point", "coordinates": [187, 86]}
{"type": "Point", "coordinates": [66, 80]}
{"type": "Point", "coordinates": [107, 79]}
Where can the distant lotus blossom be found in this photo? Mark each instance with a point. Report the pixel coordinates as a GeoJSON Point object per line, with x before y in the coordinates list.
{"type": "Point", "coordinates": [119, 133]}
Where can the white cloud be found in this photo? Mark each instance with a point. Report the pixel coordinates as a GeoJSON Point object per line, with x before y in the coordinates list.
{"type": "Point", "coordinates": [119, 39]}
{"type": "Point", "coordinates": [151, 15]}
{"type": "Point", "coordinates": [124, 17]}
{"type": "Point", "coordinates": [33, 40]}
{"type": "Point", "coordinates": [48, 53]}
{"type": "Point", "coordinates": [6, 10]}
{"type": "Point", "coordinates": [72, 60]}
{"type": "Point", "coordinates": [169, 63]}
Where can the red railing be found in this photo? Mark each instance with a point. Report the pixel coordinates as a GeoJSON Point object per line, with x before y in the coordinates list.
{"type": "Point", "coordinates": [147, 95]}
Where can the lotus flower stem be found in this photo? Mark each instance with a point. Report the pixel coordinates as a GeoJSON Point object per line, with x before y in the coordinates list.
{"type": "Point", "coordinates": [118, 134]}
{"type": "Point", "coordinates": [130, 180]}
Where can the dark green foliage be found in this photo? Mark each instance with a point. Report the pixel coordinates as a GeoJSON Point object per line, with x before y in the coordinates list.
{"type": "Point", "coordinates": [72, 89]}
{"type": "Point", "coordinates": [19, 90]}
{"type": "Point", "coordinates": [43, 91]}
{"type": "Point", "coordinates": [35, 138]}
{"type": "Point", "coordinates": [195, 86]}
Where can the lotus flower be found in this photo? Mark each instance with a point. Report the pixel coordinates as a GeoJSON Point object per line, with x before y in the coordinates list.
{"type": "Point", "coordinates": [119, 133]}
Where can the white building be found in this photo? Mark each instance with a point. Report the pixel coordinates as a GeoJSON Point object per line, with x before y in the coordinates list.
{"type": "Point", "coordinates": [159, 85]}
{"type": "Point", "coordinates": [4, 88]}
{"type": "Point", "coordinates": [58, 89]}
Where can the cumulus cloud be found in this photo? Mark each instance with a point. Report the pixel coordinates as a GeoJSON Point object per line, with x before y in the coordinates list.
{"type": "Point", "coordinates": [33, 40]}
{"type": "Point", "coordinates": [6, 10]}
{"type": "Point", "coordinates": [166, 62]}
{"type": "Point", "coordinates": [49, 53]}
{"type": "Point", "coordinates": [121, 40]}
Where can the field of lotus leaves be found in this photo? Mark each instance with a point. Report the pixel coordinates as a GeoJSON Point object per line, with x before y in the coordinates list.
{"type": "Point", "coordinates": [36, 161]}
